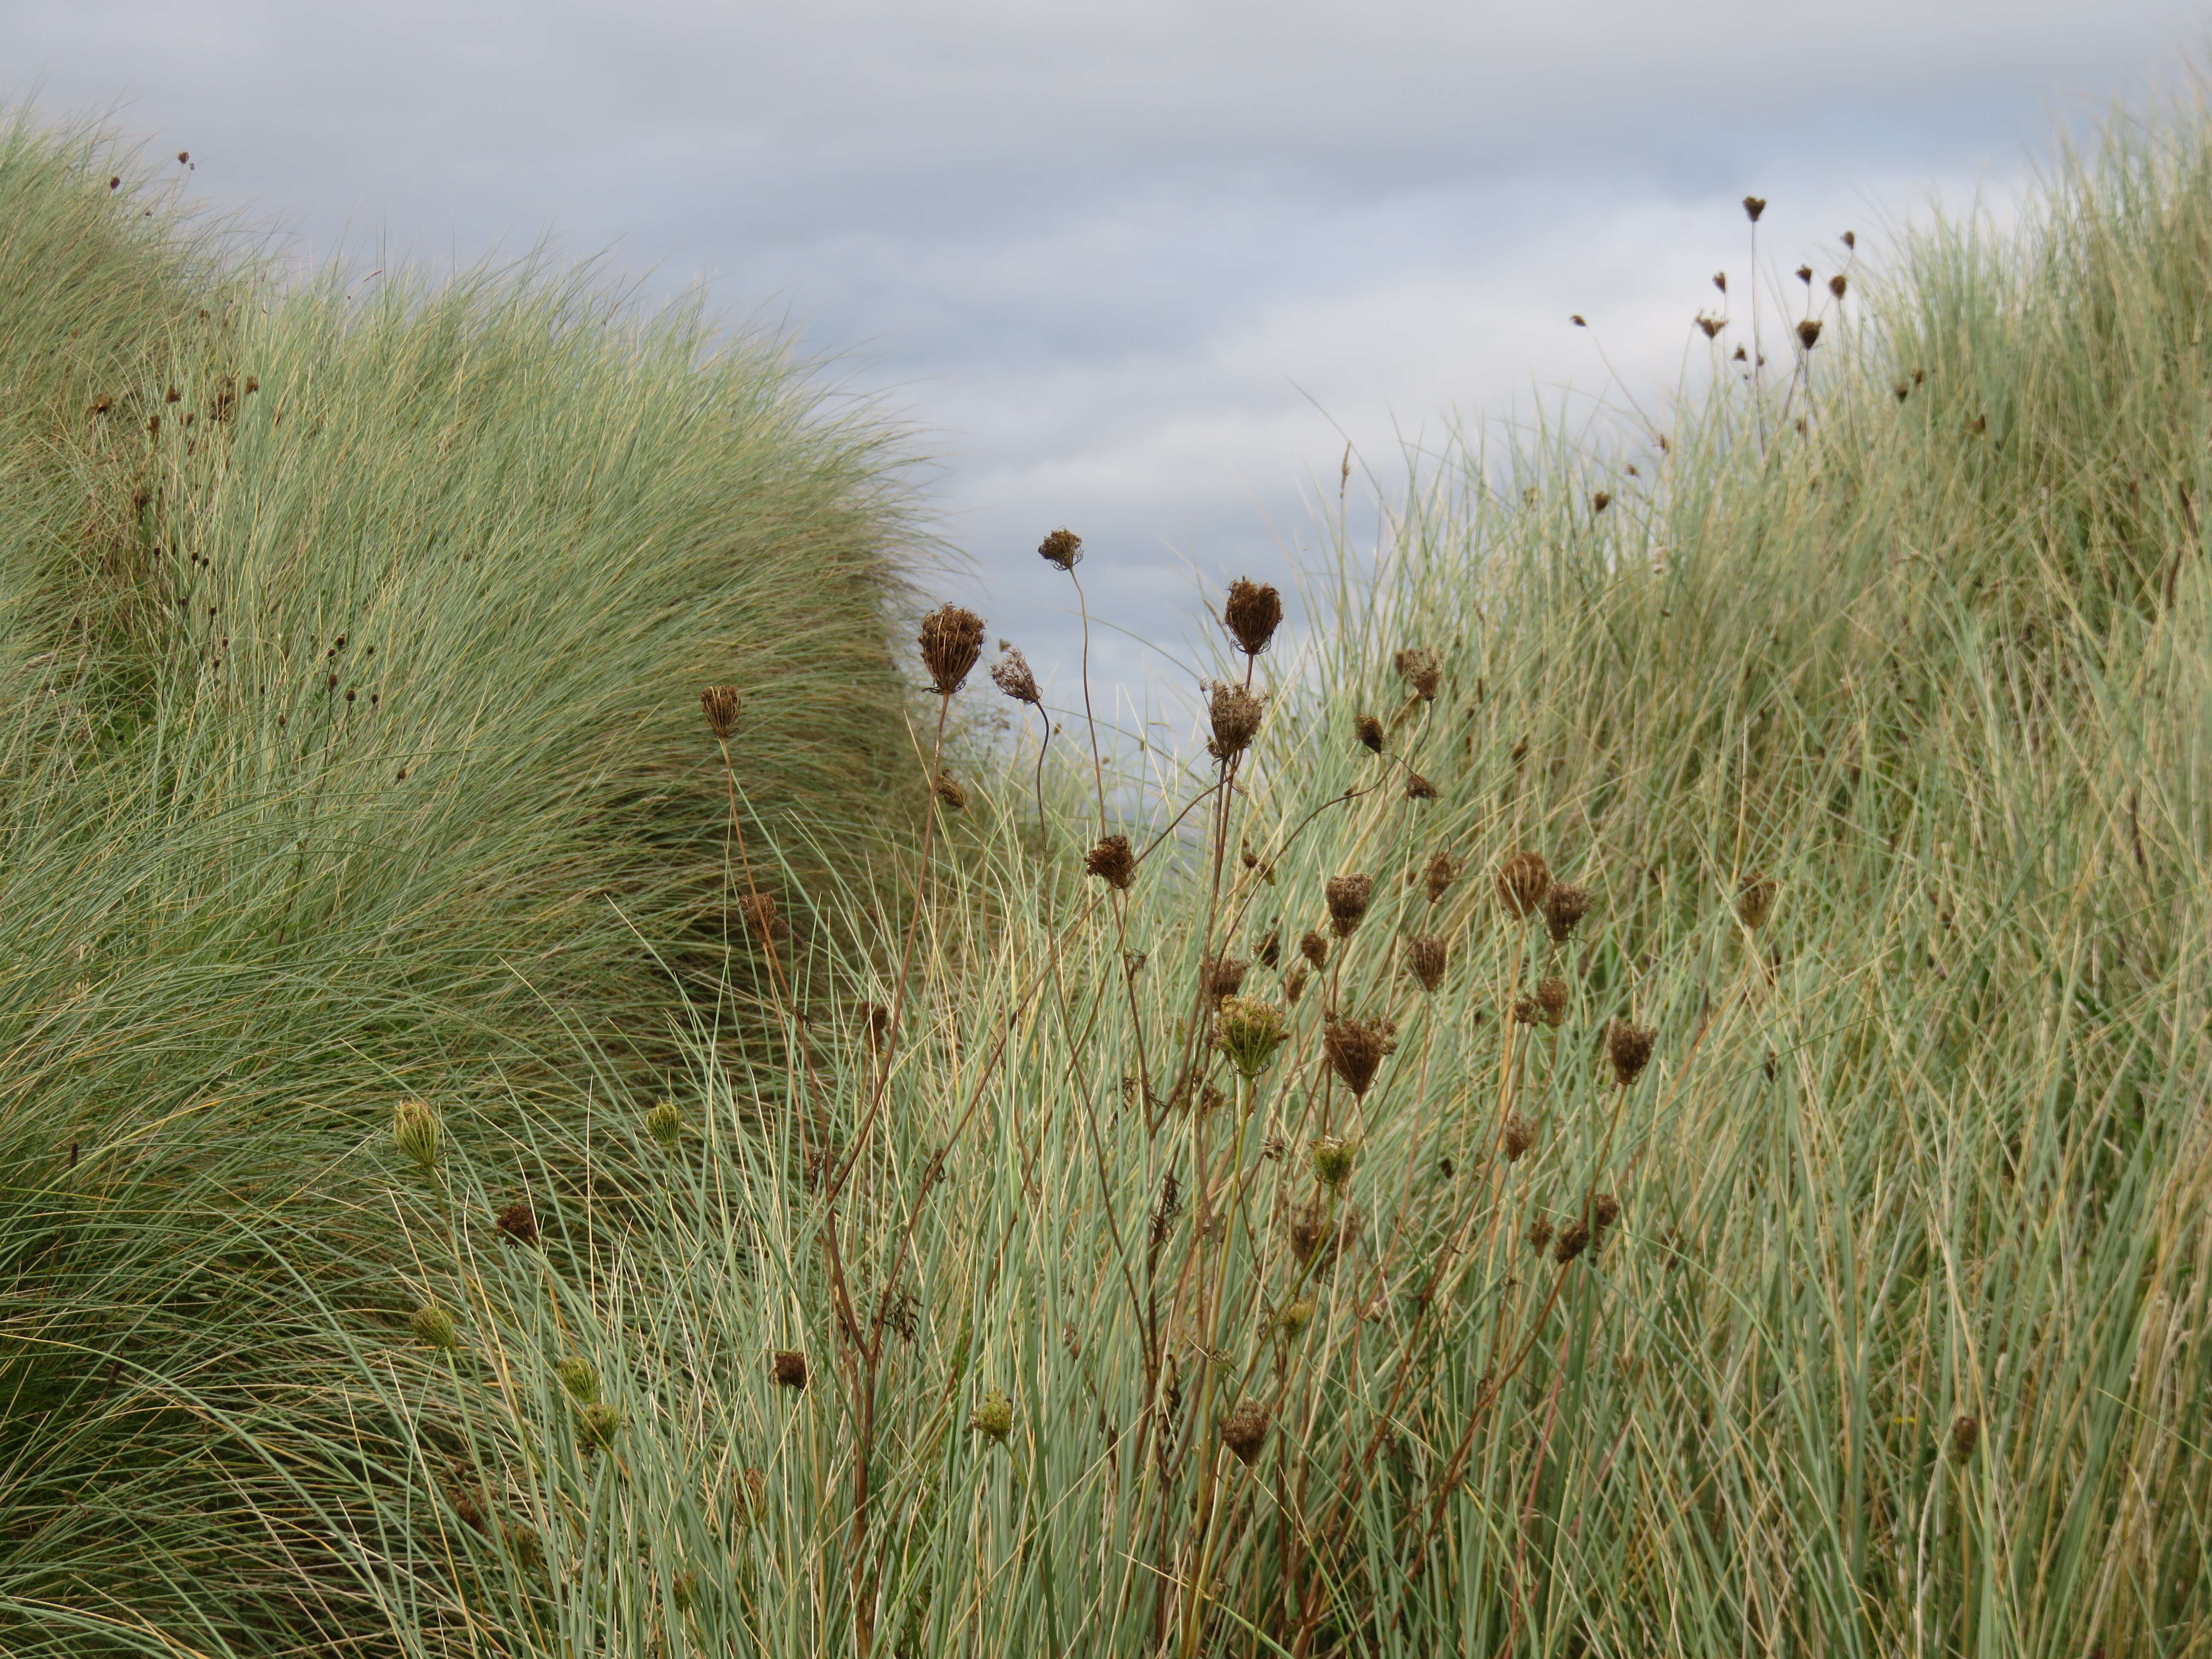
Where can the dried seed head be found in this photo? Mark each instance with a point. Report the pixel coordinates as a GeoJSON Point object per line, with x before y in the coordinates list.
{"type": "Point", "coordinates": [1629, 1048]}
{"type": "Point", "coordinates": [1805, 274]}
{"type": "Point", "coordinates": [1711, 325]}
{"type": "Point", "coordinates": [1849, 240]}
{"type": "Point", "coordinates": [524, 1544]}
{"type": "Point", "coordinates": [598, 1424]}
{"type": "Point", "coordinates": [995, 1416]}
{"type": "Point", "coordinates": [1442, 872]}
{"type": "Point", "coordinates": [1252, 613]}
{"type": "Point", "coordinates": [1574, 1239]}
{"type": "Point", "coordinates": [1540, 1235]}
{"type": "Point", "coordinates": [1838, 284]}
{"type": "Point", "coordinates": [762, 918]}
{"type": "Point", "coordinates": [1011, 674]}
{"type": "Point", "coordinates": [948, 790]}
{"type": "Point", "coordinates": [951, 639]}
{"type": "Point", "coordinates": [1112, 860]}
{"type": "Point", "coordinates": [1294, 984]}
{"type": "Point", "coordinates": [1525, 1010]}
{"type": "Point", "coordinates": [1423, 669]}
{"type": "Point", "coordinates": [1720, 281]}
{"type": "Point", "coordinates": [1808, 332]}
{"type": "Point", "coordinates": [751, 1497]}
{"type": "Point", "coordinates": [1063, 548]}
{"type": "Point", "coordinates": [1333, 1158]}
{"type": "Point", "coordinates": [1418, 787]}
{"type": "Point", "coordinates": [1235, 714]}
{"type": "Point", "coordinates": [1222, 976]}
{"type": "Point", "coordinates": [1371, 732]}
{"type": "Point", "coordinates": [1348, 897]}
{"type": "Point", "coordinates": [1523, 881]}
{"type": "Point", "coordinates": [1605, 1209]}
{"type": "Point", "coordinates": [1754, 902]}
{"type": "Point", "coordinates": [1966, 1436]}
{"type": "Point", "coordinates": [1314, 949]}
{"type": "Point", "coordinates": [721, 704]}
{"type": "Point", "coordinates": [1601, 500]}
{"type": "Point", "coordinates": [519, 1222]}
{"type": "Point", "coordinates": [581, 1381]}
{"type": "Point", "coordinates": [1244, 1431]}
{"type": "Point", "coordinates": [1519, 1135]}
{"type": "Point", "coordinates": [1355, 1048]}
{"type": "Point", "coordinates": [1269, 953]}
{"type": "Point", "coordinates": [665, 1123]}
{"type": "Point", "coordinates": [875, 1023]}
{"type": "Point", "coordinates": [1426, 956]}
{"type": "Point", "coordinates": [1551, 1001]}
{"type": "Point", "coordinates": [417, 1133]}
{"type": "Point", "coordinates": [1753, 206]}
{"type": "Point", "coordinates": [1249, 1031]}
{"type": "Point", "coordinates": [1565, 906]}
{"type": "Point", "coordinates": [434, 1326]}
{"type": "Point", "coordinates": [788, 1367]}
{"type": "Point", "coordinates": [1307, 1229]}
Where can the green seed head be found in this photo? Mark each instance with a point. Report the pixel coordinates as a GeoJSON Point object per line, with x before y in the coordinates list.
{"type": "Point", "coordinates": [995, 1416]}
{"type": "Point", "coordinates": [433, 1325]}
{"type": "Point", "coordinates": [1249, 1031]}
{"type": "Point", "coordinates": [1295, 1318]}
{"type": "Point", "coordinates": [597, 1424]}
{"type": "Point", "coordinates": [1331, 1160]}
{"type": "Point", "coordinates": [416, 1131]}
{"type": "Point", "coordinates": [665, 1123]}
{"type": "Point", "coordinates": [581, 1380]}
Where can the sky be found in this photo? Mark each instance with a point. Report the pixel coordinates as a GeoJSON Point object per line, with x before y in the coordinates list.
{"type": "Point", "coordinates": [1142, 269]}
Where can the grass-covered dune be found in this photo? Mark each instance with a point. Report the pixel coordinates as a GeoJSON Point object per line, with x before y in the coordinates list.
{"type": "Point", "coordinates": [1648, 1097]}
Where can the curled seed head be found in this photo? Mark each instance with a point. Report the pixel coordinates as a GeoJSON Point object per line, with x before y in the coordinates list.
{"type": "Point", "coordinates": [1294, 984]}
{"type": "Point", "coordinates": [417, 1133]}
{"type": "Point", "coordinates": [1966, 1436]}
{"type": "Point", "coordinates": [1605, 1209]}
{"type": "Point", "coordinates": [1235, 714]}
{"type": "Point", "coordinates": [434, 1326]}
{"type": "Point", "coordinates": [751, 1497]}
{"type": "Point", "coordinates": [1422, 669]}
{"type": "Point", "coordinates": [1600, 500]}
{"type": "Point", "coordinates": [1333, 1158]}
{"type": "Point", "coordinates": [1574, 1239]}
{"type": "Point", "coordinates": [1753, 206]}
{"type": "Point", "coordinates": [1418, 787]}
{"type": "Point", "coordinates": [1348, 897]}
{"type": "Point", "coordinates": [1629, 1048]}
{"type": "Point", "coordinates": [1355, 1048]}
{"type": "Point", "coordinates": [1754, 902]}
{"type": "Point", "coordinates": [1540, 1235]}
{"type": "Point", "coordinates": [948, 790]}
{"type": "Point", "coordinates": [1565, 906]}
{"type": "Point", "coordinates": [1012, 675]}
{"type": "Point", "coordinates": [995, 1416]}
{"type": "Point", "coordinates": [1269, 951]}
{"type": "Point", "coordinates": [1427, 957]}
{"type": "Point", "coordinates": [598, 1424]}
{"type": "Point", "coordinates": [1805, 274]}
{"type": "Point", "coordinates": [1295, 1318]}
{"type": "Point", "coordinates": [721, 704]}
{"type": "Point", "coordinates": [579, 1380]}
{"type": "Point", "coordinates": [665, 1123]}
{"type": "Point", "coordinates": [1307, 1228]}
{"type": "Point", "coordinates": [1249, 1031]}
{"type": "Point", "coordinates": [1113, 862]}
{"type": "Point", "coordinates": [1314, 949]}
{"type": "Point", "coordinates": [1442, 873]}
{"type": "Point", "coordinates": [1244, 1431]}
{"type": "Point", "coordinates": [762, 920]}
{"type": "Point", "coordinates": [1523, 881]}
{"type": "Point", "coordinates": [1520, 1136]}
{"type": "Point", "coordinates": [1552, 1001]}
{"type": "Point", "coordinates": [951, 640]}
{"type": "Point", "coordinates": [788, 1367]}
{"type": "Point", "coordinates": [1063, 548]}
{"type": "Point", "coordinates": [1525, 1010]}
{"type": "Point", "coordinates": [1222, 976]}
{"type": "Point", "coordinates": [1808, 332]}
{"type": "Point", "coordinates": [1838, 284]}
{"type": "Point", "coordinates": [1371, 732]}
{"type": "Point", "coordinates": [519, 1222]}
{"type": "Point", "coordinates": [1252, 613]}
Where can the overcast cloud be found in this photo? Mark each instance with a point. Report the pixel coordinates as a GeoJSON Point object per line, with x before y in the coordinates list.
{"type": "Point", "coordinates": [1136, 269]}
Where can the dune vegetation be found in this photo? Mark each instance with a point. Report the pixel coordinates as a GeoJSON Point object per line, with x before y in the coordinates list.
{"type": "Point", "coordinates": [1641, 1089]}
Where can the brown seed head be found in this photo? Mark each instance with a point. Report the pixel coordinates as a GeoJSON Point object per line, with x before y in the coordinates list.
{"type": "Point", "coordinates": [1427, 957]}
{"type": "Point", "coordinates": [1551, 1001]}
{"type": "Point", "coordinates": [1805, 274]}
{"type": "Point", "coordinates": [1442, 873]}
{"type": "Point", "coordinates": [1808, 332]}
{"type": "Point", "coordinates": [1519, 1135]}
{"type": "Point", "coordinates": [1423, 669]}
{"type": "Point", "coordinates": [1418, 787]}
{"type": "Point", "coordinates": [951, 640]}
{"type": "Point", "coordinates": [1113, 860]}
{"type": "Point", "coordinates": [1294, 984]}
{"type": "Point", "coordinates": [1244, 1431]}
{"type": "Point", "coordinates": [1314, 949]}
{"type": "Point", "coordinates": [1011, 674]}
{"type": "Point", "coordinates": [1838, 284]}
{"type": "Point", "coordinates": [1347, 903]}
{"type": "Point", "coordinates": [1605, 1209]}
{"type": "Point", "coordinates": [875, 1021]}
{"type": "Point", "coordinates": [1063, 548]}
{"type": "Point", "coordinates": [1252, 613]}
{"type": "Point", "coordinates": [1574, 1239]}
{"type": "Point", "coordinates": [948, 790]}
{"type": "Point", "coordinates": [761, 919]}
{"type": "Point", "coordinates": [1222, 976]}
{"type": "Point", "coordinates": [1629, 1048]}
{"type": "Point", "coordinates": [1371, 732]}
{"type": "Point", "coordinates": [1307, 1229]}
{"type": "Point", "coordinates": [1601, 500]}
{"type": "Point", "coordinates": [1355, 1048]}
{"type": "Point", "coordinates": [519, 1223]}
{"type": "Point", "coordinates": [1565, 906]}
{"type": "Point", "coordinates": [1966, 1436]}
{"type": "Point", "coordinates": [1523, 881]}
{"type": "Point", "coordinates": [1711, 325]}
{"type": "Point", "coordinates": [1754, 902]}
{"type": "Point", "coordinates": [788, 1367]}
{"type": "Point", "coordinates": [1235, 714]}
{"type": "Point", "coordinates": [1525, 1010]}
{"type": "Point", "coordinates": [721, 704]}
{"type": "Point", "coordinates": [1720, 281]}
{"type": "Point", "coordinates": [1539, 1234]}
{"type": "Point", "coordinates": [1849, 240]}
{"type": "Point", "coordinates": [1269, 953]}
{"type": "Point", "coordinates": [1753, 206]}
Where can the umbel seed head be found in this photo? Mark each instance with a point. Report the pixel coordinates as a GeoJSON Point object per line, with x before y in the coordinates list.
{"type": "Point", "coordinates": [1838, 284]}
{"type": "Point", "coordinates": [1552, 1001]}
{"type": "Point", "coordinates": [1574, 1239]}
{"type": "Point", "coordinates": [1244, 1431]}
{"type": "Point", "coordinates": [598, 1424]}
{"type": "Point", "coordinates": [1348, 896]}
{"type": "Point", "coordinates": [1808, 332]}
{"type": "Point", "coordinates": [1355, 1048]}
{"type": "Point", "coordinates": [519, 1222]}
{"type": "Point", "coordinates": [1236, 715]}
{"type": "Point", "coordinates": [1307, 1229]}
{"type": "Point", "coordinates": [1371, 732]}
{"type": "Point", "coordinates": [1249, 1031]}
{"type": "Point", "coordinates": [788, 1367]}
{"type": "Point", "coordinates": [721, 704]}
{"type": "Point", "coordinates": [1426, 956]}
{"type": "Point", "coordinates": [1753, 206]}
{"type": "Point", "coordinates": [1112, 860]}
{"type": "Point", "coordinates": [433, 1326]}
{"type": "Point", "coordinates": [1540, 1235]}
{"type": "Point", "coordinates": [1252, 613]}
{"type": "Point", "coordinates": [1063, 548]}
{"type": "Point", "coordinates": [995, 1416]}
{"type": "Point", "coordinates": [1422, 669]}
{"type": "Point", "coordinates": [1294, 983]}
{"type": "Point", "coordinates": [1966, 1436]}
{"type": "Point", "coordinates": [1295, 1318]}
{"type": "Point", "coordinates": [1333, 1158]}
{"type": "Point", "coordinates": [1442, 873]}
{"type": "Point", "coordinates": [1314, 949]}
{"type": "Point", "coordinates": [1805, 274]}
{"type": "Point", "coordinates": [1754, 902]}
{"type": "Point", "coordinates": [1523, 882]}
{"type": "Point", "coordinates": [1629, 1048]}
{"type": "Point", "coordinates": [1565, 906]}
{"type": "Point", "coordinates": [949, 793]}
{"type": "Point", "coordinates": [579, 1379]}
{"type": "Point", "coordinates": [1418, 787]}
{"type": "Point", "coordinates": [1525, 1010]}
{"type": "Point", "coordinates": [417, 1133]}
{"type": "Point", "coordinates": [665, 1123]}
{"type": "Point", "coordinates": [1270, 951]}
{"type": "Point", "coordinates": [1519, 1135]}
{"type": "Point", "coordinates": [951, 639]}
{"type": "Point", "coordinates": [1011, 674]}
{"type": "Point", "coordinates": [1222, 976]}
